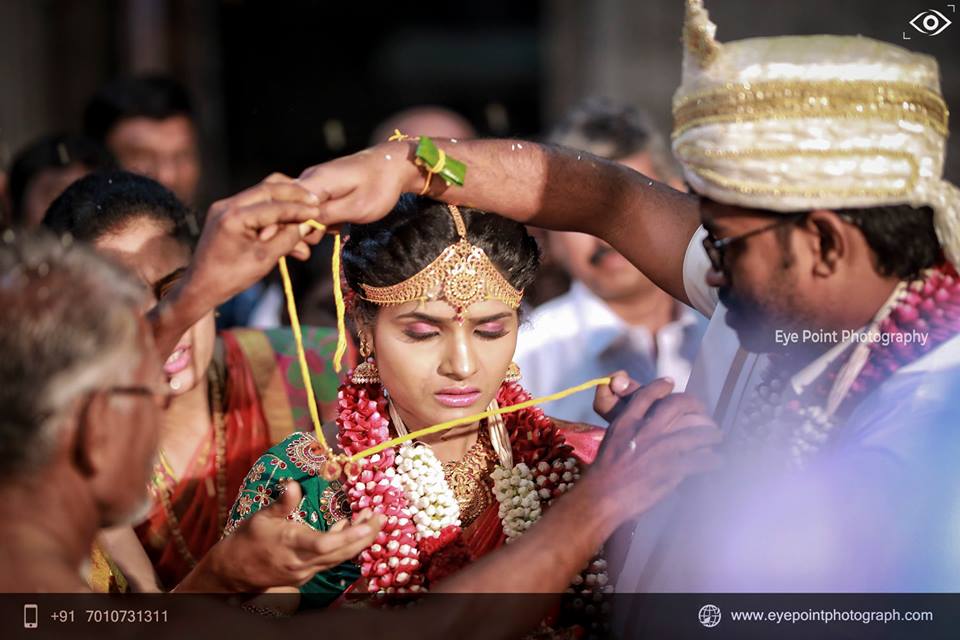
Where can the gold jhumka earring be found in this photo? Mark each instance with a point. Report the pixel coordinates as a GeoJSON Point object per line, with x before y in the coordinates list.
{"type": "Point", "coordinates": [366, 372]}
{"type": "Point", "coordinates": [513, 373]}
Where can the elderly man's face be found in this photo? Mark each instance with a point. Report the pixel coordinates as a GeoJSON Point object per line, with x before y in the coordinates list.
{"type": "Point", "coordinates": [132, 420]}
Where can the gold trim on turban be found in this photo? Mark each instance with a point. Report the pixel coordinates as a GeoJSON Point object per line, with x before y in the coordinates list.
{"type": "Point", "coordinates": [750, 102]}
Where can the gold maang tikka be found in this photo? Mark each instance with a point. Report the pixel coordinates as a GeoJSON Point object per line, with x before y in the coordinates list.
{"type": "Point", "coordinates": [460, 276]}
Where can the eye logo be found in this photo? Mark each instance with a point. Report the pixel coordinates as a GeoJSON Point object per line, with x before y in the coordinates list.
{"type": "Point", "coordinates": [930, 22]}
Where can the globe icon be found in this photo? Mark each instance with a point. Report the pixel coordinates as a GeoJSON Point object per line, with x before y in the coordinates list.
{"type": "Point", "coordinates": [709, 615]}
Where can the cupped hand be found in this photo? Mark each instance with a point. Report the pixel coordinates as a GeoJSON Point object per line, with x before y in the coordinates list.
{"type": "Point", "coordinates": [271, 550]}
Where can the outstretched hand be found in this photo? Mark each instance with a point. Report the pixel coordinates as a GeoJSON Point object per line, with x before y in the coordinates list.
{"type": "Point", "coordinates": [270, 550]}
{"type": "Point", "coordinates": [243, 238]}
{"type": "Point", "coordinates": [246, 234]}
{"type": "Point", "coordinates": [362, 187]}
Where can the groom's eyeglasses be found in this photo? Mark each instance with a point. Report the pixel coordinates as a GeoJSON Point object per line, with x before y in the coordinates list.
{"type": "Point", "coordinates": [716, 249]}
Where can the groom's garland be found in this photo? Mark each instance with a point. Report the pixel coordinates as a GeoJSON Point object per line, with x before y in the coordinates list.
{"type": "Point", "coordinates": [421, 541]}
{"type": "Point", "coordinates": [929, 305]}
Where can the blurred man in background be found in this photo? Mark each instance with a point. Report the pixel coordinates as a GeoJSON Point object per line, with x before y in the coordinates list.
{"type": "Point", "coordinates": [149, 124]}
{"type": "Point", "coordinates": [613, 318]}
{"type": "Point", "coordinates": [425, 120]}
{"type": "Point", "coordinates": [42, 171]}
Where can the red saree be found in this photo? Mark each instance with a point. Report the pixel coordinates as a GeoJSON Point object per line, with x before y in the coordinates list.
{"type": "Point", "coordinates": [262, 404]}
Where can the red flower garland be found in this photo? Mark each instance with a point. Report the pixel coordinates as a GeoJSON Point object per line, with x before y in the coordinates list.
{"type": "Point", "coordinates": [391, 563]}
{"type": "Point", "coordinates": [397, 561]}
{"type": "Point", "coordinates": [445, 554]}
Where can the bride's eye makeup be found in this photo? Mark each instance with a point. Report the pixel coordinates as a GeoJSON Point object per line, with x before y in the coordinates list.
{"type": "Point", "coordinates": [491, 330]}
{"type": "Point", "coordinates": [420, 331]}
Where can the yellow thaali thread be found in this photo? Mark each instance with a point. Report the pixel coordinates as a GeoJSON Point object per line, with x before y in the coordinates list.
{"type": "Point", "coordinates": [443, 426]}
{"type": "Point", "coordinates": [397, 136]}
{"type": "Point", "coordinates": [437, 168]}
{"type": "Point", "coordinates": [298, 335]}
{"type": "Point", "coordinates": [341, 307]}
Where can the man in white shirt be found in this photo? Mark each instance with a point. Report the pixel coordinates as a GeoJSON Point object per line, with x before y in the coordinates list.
{"type": "Point", "coordinates": [613, 318]}
{"type": "Point", "coordinates": [826, 256]}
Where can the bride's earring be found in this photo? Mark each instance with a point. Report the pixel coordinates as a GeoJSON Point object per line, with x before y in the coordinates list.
{"type": "Point", "coordinates": [366, 372]}
{"type": "Point", "coordinates": [513, 373]}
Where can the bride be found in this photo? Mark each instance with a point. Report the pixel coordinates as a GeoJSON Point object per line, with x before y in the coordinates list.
{"type": "Point", "coordinates": [435, 294]}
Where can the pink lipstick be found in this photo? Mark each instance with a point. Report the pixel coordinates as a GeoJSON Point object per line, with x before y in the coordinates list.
{"type": "Point", "coordinates": [178, 360]}
{"type": "Point", "coordinates": [457, 397]}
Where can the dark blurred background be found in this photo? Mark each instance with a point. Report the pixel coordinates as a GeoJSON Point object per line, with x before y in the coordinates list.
{"type": "Point", "coordinates": [282, 85]}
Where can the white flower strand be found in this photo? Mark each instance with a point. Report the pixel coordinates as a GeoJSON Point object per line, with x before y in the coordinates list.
{"type": "Point", "coordinates": [519, 502]}
{"type": "Point", "coordinates": [431, 501]}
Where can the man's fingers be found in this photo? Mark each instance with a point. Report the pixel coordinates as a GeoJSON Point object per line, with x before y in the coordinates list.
{"type": "Point", "coordinates": [665, 411]}
{"type": "Point", "coordinates": [301, 251]}
{"type": "Point", "coordinates": [289, 191]}
{"type": "Point", "coordinates": [363, 515]}
{"type": "Point", "coordinates": [609, 395]}
{"type": "Point", "coordinates": [688, 420]}
{"type": "Point", "coordinates": [697, 461]}
{"type": "Point", "coordinates": [268, 232]}
{"type": "Point", "coordinates": [277, 177]}
{"type": "Point", "coordinates": [313, 236]}
{"type": "Point", "coordinates": [285, 243]}
{"type": "Point", "coordinates": [622, 384]}
{"type": "Point", "coordinates": [314, 543]}
{"type": "Point", "coordinates": [261, 215]}
{"type": "Point", "coordinates": [685, 440]}
{"type": "Point", "coordinates": [349, 207]}
{"type": "Point", "coordinates": [626, 424]}
{"type": "Point", "coordinates": [276, 191]}
{"type": "Point", "coordinates": [292, 494]}
{"type": "Point", "coordinates": [316, 563]}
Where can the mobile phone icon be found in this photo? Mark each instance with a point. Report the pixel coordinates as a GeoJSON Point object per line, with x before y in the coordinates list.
{"type": "Point", "coordinates": [29, 616]}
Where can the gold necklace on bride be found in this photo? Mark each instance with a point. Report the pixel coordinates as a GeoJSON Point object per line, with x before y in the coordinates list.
{"type": "Point", "coordinates": [467, 477]}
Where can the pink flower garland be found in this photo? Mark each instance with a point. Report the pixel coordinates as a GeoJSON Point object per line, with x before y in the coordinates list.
{"type": "Point", "coordinates": [393, 562]}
